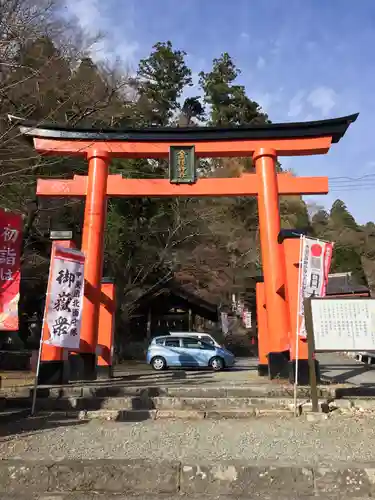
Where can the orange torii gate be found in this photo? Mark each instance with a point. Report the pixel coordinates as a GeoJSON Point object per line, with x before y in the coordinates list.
{"type": "Point", "coordinates": [183, 145]}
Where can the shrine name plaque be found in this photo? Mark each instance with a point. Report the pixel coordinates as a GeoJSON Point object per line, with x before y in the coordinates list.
{"type": "Point", "coordinates": [343, 324]}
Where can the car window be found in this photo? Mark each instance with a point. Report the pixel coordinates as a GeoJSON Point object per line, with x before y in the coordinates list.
{"type": "Point", "coordinates": [172, 342]}
{"type": "Point", "coordinates": [207, 347]}
{"type": "Point", "coordinates": [191, 343]}
{"type": "Point", "coordinates": [207, 340]}
{"type": "Point", "coordinates": [159, 341]}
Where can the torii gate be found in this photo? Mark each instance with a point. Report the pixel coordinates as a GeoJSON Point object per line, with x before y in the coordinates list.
{"type": "Point", "coordinates": [263, 142]}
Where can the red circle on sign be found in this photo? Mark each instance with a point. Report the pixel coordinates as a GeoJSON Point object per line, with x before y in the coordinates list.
{"type": "Point", "coordinates": [316, 250]}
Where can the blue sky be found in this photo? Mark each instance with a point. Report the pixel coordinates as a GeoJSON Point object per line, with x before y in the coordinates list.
{"type": "Point", "coordinates": [300, 60]}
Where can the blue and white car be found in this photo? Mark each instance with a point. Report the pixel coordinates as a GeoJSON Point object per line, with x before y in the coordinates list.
{"type": "Point", "coordinates": [187, 352]}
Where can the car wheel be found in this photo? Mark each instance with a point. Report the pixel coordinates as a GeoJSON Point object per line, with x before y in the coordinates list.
{"type": "Point", "coordinates": [217, 363]}
{"type": "Point", "coordinates": [158, 363]}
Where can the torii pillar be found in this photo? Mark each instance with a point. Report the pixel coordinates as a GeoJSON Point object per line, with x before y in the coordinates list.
{"type": "Point", "coordinates": [264, 143]}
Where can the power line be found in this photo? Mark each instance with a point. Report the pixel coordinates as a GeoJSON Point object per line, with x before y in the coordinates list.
{"type": "Point", "coordinates": [354, 178]}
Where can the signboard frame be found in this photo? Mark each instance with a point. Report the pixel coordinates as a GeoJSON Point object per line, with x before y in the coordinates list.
{"type": "Point", "coordinates": [309, 322]}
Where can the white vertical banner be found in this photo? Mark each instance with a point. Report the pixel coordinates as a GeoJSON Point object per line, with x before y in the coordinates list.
{"type": "Point", "coordinates": [63, 315]}
{"type": "Point", "coordinates": [246, 318]}
{"type": "Point", "coordinates": [315, 263]}
{"type": "Point", "coordinates": [234, 303]}
{"type": "Point", "coordinates": [224, 323]}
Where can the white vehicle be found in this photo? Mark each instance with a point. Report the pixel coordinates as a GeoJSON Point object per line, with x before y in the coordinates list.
{"type": "Point", "coordinates": [204, 337]}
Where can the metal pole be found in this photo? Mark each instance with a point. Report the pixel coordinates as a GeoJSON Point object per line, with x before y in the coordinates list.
{"type": "Point", "coordinates": [297, 323]}
{"type": "Point", "coordinates": [311, 349]}
{"type": "Point", "coordinates": [41, 335]}
{"type": "Point", "coordinates": [37, 370]}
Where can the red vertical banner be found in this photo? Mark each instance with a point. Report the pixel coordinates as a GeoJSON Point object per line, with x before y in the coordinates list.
{"type": "Point", "coordinates": [315, 263]}
{"type": "Point", "coordinates": [10, 272]}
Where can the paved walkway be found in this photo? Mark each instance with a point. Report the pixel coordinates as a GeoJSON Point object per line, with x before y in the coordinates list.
{"type": "Point", "coordinates": [335, 367]}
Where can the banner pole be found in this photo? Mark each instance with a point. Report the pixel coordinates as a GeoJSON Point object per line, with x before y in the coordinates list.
{"type": "Point", "coordinates": [297, 327]}
{"type": "Point", "coordinates": [42, 333]}
{"type": "Point", "coordinates": [37, 371]}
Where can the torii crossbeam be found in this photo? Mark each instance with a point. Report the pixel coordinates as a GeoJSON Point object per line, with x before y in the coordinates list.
{"type": "Point", "coordinates": [246, 185]}
{"type": "Point", "coordinates": [264, 143]}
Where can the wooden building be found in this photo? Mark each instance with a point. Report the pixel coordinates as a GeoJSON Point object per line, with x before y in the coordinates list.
{"type": "Point", "coordinates": [344, 285]}
{"type": "Point", "coordinates": [169, 307]}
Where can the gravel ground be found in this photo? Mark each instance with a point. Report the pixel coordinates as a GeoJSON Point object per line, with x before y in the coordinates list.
{"type": "Point", "coordinates": [266, 440]}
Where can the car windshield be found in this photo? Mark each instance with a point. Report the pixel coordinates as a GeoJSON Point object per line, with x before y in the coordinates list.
{"type": "Point", "coordinates": [207, 340]}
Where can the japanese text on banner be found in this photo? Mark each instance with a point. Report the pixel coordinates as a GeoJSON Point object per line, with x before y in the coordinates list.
{"type": "Point", "coordinates": [64, 313]}
{"type": "Point", "coordinates": [314, 269]}
{"type": "Point", "coordinates": [10, 254]}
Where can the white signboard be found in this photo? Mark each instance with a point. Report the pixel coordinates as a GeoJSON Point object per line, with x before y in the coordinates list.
{"type": "Point", "coordinates": [65, 300]}
{"type": "Point", "coordinates": [343, 324]}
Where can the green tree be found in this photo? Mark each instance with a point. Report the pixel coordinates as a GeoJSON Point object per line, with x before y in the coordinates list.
{"type": "Point", "coordinates": [192, 108]}
{"type": "Point", "coordinates": [341, 217]}
{"type": "Point", "coordinates": [229, 103]}
{"type": "Point", "coordinates": [161, 79]}
{"type": "Point", "coordinates": [294, 214]}
{"type": "Point", "coordinates": [340, 227]}
{"type": "Point", "coordinates": [346, 258]}
{"type": "Point", "coordinates": [320, 223]}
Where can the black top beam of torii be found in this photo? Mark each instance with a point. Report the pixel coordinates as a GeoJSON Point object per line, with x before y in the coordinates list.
{"type": "Point", "coordinates": [335, 128]}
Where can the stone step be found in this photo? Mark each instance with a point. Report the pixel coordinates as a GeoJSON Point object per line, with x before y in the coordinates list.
{"type": "Point", "coordinates": [50, 480]}
{"type": "Point", "coordinates": [170, 414]}
{"type": "Point", "coordinates": [124, 390]}
{"type": "Point", "coordinates": [157, 403]}
{"type": "Point", "coordinates": [108, 496]}
{"type": "Point", "coordinates": [133, 409]}
{"type": "Point", "coordinates": [12, 415]}
{"type": "Point", "coordinates": [16, 379]}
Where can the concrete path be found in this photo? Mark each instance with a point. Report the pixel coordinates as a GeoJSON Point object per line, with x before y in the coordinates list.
{"type": "Point", "coordinates": [245, 371]}
{"type": "Point", "coordinates": [336, 367]}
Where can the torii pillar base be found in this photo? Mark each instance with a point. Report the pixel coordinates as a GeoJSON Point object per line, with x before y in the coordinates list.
{"type": "Point", "coordinates": [53, 372]}
{"type": "Point", "coordinates": [82, 366]}
{"type": "Point", "coordinates": [262, 370]}
{"type": "Point", "coordinates": [278, 365]}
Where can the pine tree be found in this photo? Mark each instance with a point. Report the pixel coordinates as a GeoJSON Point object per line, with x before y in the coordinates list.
{"type": "Point", "coordinates": [162, 78]}
{"type": "Point", "coordinates": [341, 217]}
{"type": "Point", "coordinates": [229, 103]}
